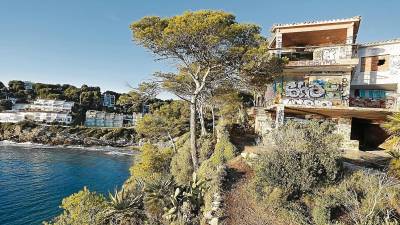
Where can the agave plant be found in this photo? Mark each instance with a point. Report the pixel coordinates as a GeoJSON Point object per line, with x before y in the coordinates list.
{"type": "Point", "coordinates": [158, 191]}
{"type": "Point", "coordinates": [195, 191]}
{"type": "Point", "coordinates": [171, 213]}
{"type": "Point", "coordinates": [156, 198]}
{"type": "Point", "coordinates": [125, 207]}
{"type": "Point", "coordinates": [186, 201]}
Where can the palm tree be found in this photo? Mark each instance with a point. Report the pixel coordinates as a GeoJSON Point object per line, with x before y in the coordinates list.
{"type": "Point", "coordinates": [392, 144]}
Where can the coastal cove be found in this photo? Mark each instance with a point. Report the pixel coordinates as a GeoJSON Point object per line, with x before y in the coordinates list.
{"type": "Point", "coordinates": [35, 178]}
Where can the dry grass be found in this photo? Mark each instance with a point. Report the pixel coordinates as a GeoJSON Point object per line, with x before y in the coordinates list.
{"type": "Point", "coordinates": [241, 207]}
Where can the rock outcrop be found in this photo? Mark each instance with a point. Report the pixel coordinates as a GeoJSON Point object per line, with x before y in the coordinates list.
{"type": "Point", "coordinates": [62, 135]}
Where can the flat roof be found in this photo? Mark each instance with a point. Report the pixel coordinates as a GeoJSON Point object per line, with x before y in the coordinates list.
{"type": "Point", "coordinates": [384, 42]}
{"type": "Point", "coordinates": [313, 23]}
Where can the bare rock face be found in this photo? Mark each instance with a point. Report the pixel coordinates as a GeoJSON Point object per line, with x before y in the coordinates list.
{"type": "Point", "coordinates": [60, 135]}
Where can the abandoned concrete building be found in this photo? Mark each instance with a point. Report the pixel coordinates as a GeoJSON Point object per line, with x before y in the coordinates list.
{"type": "Point", "coordinates": [329, 76]}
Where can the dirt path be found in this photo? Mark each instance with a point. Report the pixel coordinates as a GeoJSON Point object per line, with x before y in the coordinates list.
{"type": "Point", "coordinates": [240, 207]}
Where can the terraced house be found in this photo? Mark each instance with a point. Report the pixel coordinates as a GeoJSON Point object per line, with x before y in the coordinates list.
{"type": "Point", "coordinates": [329, 76]}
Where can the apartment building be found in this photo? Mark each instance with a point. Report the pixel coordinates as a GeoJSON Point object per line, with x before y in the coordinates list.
{"type": "Point", "coordinates": [108, 100]}
{"type": "Point", "coordinates": [330, 76]}
{"type": "Point", "coordinates": [103, 119]}
{"type": "Point", "coordinates": [376, 79]}
{"type": "Point", "coordinates": [42, 117]}
{"type": "Point", "coordinates": [52, 105]}
{"type": "Point", "coordinates": [41, 110]}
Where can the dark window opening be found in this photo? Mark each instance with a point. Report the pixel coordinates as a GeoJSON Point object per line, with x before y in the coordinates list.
{"type": "Point", "coordinates": [298, 56]}
{"type": "Point", "coordinates": [357, 93]}
{"type": "Point", "coordinates": [381, 62]}
{"type": "Point", "coordinates": [369, 135]}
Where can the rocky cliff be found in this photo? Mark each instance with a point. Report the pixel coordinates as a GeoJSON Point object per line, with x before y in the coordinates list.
{"type": "Point", "coordinates": [61, 135]}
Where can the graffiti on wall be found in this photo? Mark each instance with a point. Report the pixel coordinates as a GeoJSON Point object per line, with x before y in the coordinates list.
{"type": "Point", "coordinates": [326, 56]}
{"type": "Point", "coordinates": [280, 115]}
{"type": "Point", "coordinates": [317, 92]}
{"type": "Point", "coordinates": [299, 89]}
{"type": "Point", "coordinates": [307, 102]}
{"type": "Point", "coordinates": [395, 64]}
{"type": "Point", "coordinates": [387, 103]}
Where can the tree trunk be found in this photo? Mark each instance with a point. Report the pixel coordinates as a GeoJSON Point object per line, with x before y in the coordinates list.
{"type": "Point", "coordinates": [201, 118]}
{"type": "Point", "coordinates": [193, 147]}
{"type": "Point", "coordinates": [213, 120]}
{"type": "Point", "coordinates": [172, 142]}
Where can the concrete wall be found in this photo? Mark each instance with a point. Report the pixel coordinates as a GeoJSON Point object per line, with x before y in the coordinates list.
{"type": "Point", "coordinates": [320, 91]}
{"type": "Point", "coordinates": [387, 80]}
{"type": "Point", "coordinates": [391, 76]}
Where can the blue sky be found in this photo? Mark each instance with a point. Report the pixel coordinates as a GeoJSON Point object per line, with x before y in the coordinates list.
{"type": "Point", "coordinates": [89, 42]}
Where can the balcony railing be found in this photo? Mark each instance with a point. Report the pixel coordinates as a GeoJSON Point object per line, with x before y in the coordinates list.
{"type": "Point", "coordinates": [322, 56]}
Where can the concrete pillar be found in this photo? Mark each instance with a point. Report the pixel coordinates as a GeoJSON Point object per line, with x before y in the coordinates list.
{"type": "Point", "coordinates": [344, 128]}
{"type": "Point", "coordinates": [396, 103]}
{"type": "Point", "coordinates": [280, 115]}
{"type": "Point", "coordinates": [264, 124]}
{"type": "Point", "coordinates": [346, 81]}
{"type": "Point", "coordinates": [350, 32]}
{"type": "Point", "coordinates": [278, 43]}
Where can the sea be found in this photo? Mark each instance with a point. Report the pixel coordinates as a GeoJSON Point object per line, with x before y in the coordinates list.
{"type": "Point", "coordinates": [35, 178]}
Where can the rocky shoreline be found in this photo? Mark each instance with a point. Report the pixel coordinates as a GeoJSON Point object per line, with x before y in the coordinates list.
{"type": "Point", "coordinates": [55, 135]}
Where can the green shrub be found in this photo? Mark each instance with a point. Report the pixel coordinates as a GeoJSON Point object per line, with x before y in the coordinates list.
{"type": "Point", "coordinates": [153, 163]}
{"type": "Point", "coordinates": [394, 167]}
{"type": "Point", "coordinates": [82, 208]}
{"type": "Point", "coordinates": [26, 124]}
{"type": "Point", "coordinates": [181, 163]}
{"type": "Point", "coordinates": [295, 213]}
{"type": "Point", "coordinates": [328, 207]}
{"type": "Point", "coordinates": [365, 197]}
{"type": "Point", "coordinates": [304, 157]}
{"type": "Point", "coordinates": [215, 177]}
{"type": "Point", "coordinates": [224, 149]}
{"type": "Point", "coordinates": [206, 146]}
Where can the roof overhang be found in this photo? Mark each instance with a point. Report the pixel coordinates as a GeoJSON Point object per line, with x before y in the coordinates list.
{"type": "Point", "coordinates": [374, 114]}
{"type": "Point", "coordinates": [355, 19]}
{"type": "Point", "coordinates": [317, 33]}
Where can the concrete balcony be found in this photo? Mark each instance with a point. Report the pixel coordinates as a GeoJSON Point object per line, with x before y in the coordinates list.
{"type": "Point", "coordinates": [338, 55]}
{"type": "Point", "coordinates": [310, 63]}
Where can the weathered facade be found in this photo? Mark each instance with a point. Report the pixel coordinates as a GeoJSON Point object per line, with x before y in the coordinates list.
{"type": "Point", "coordinates": [331, 77]}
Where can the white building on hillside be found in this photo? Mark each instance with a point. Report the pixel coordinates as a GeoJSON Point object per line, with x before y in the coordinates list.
{"type": "Point", "coordinates": [108, 100]}
{"type": "Point", "coordinates": [45, 117]}
{"type": "Point", "coordinates": [41, 110]}
{"type": "Point", "coordinates": [28, 85]}
{"type": "Point", "coordinates": [46, 105]}
{"type": "Point", "coordinates": [103, 119]}
{"type": "Point", "coordinates": [52, 105]}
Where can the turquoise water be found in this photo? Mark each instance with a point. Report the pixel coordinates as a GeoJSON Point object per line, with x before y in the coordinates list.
{"type": "Point", "coordinates": [33, 180]}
